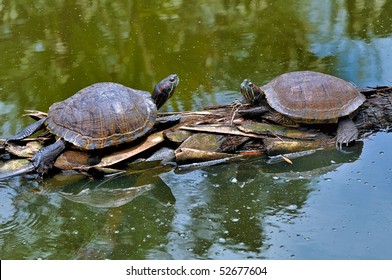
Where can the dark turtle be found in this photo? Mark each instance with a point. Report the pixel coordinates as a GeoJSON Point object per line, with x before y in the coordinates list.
{"type": "Point", "coordinates": [99, 116]}
{"type": "Point", "coordinates": [310, 98]}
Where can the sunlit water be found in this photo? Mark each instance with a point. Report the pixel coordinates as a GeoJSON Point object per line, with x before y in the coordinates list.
{"type": "Point", "coordinates": [327, 205]}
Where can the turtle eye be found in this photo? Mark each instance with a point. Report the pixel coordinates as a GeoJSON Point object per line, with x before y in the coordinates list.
{"type": "Point", "coordinates": [173, 78]}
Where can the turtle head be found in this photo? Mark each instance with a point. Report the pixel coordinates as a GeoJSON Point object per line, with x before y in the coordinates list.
{"type": "Point", "coordinates": [253, 94]}
{"type": "Point", "coordinates": [164, 90]}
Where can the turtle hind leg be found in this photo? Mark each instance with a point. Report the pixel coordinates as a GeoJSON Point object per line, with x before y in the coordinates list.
{"type": "Point", "coordinates": [43, 160]}
{"type": "Point", "coordinates": [346, 132]}
{"type": "Point", "coordinates": [27, 131]}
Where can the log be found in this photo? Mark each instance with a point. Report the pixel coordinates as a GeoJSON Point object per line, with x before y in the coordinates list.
{"type": "Point", "coordinates": [235, 135]}
{"type": "Point", "coordinates": [376, 112]}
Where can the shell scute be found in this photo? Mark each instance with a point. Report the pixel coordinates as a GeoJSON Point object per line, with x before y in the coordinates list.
{"type": "Point", "coordinates": [102, 115]}
{"type": "Point", "coordinates": [312, 97]}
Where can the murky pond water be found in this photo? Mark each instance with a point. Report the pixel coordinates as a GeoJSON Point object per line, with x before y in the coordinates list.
{"type": "Point", "coordinates": [327, 205]}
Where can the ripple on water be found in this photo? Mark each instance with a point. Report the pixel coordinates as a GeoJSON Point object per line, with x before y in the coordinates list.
{"type": "Point", "coordinates": [7, 209]}
{"type": "Point", "coordinates": [19, 224]}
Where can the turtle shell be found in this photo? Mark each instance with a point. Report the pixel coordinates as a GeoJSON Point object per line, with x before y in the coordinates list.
{"type": "Point", "coordinates": [102, 115]}
{"type": "Point", "coordinates": [312, 97]}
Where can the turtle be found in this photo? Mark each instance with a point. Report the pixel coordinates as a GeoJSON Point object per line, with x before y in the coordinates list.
{"type": "Point", "coordinates": [307, 97]}
{"type": "Point", "coordinates": [101, 115]}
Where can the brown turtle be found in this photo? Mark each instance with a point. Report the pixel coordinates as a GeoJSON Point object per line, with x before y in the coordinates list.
{"type": "Point", "coordinates": [310, 98]}
{"type": "Point", "coordinates": [99, 116]}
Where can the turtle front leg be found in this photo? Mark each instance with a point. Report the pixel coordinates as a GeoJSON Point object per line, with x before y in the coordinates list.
{"type": "Point", "coordinates": [27, 131]}
{"type": "Point", "coordinates": [43, 160]}
{"type": "Point", "coordinates": [254, 112]}
{"type": "Point", "coordinates": [346, 132]}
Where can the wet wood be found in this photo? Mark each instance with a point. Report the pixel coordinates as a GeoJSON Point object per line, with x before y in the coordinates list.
{"type": "Point", "coordinates": [275, 130]}
{"type": "Point", "coordinates": [121, 155]}
{"type": "Point", "coordinates": [73, 159]}
{"type": "Point", "coordinates": [188, 155]}
{"type": "Point", "coordinates": [376, 112]}
{"type": "Point", "coordinates": [218, 132]}
{"type": "Point", "coordinates": [24, 151]}
{"type": "Point", "coordinates": [277, 147]}
{"type": "Point", "coordinates": [220, 129]}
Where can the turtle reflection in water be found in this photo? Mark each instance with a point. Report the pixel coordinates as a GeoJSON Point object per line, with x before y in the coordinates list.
{"type": "Point", "coordinates": [307, 97]}
{"type": "Point", "coordinates": [106, 197]}
{"type": "Point", "coordinates": [99, 116]}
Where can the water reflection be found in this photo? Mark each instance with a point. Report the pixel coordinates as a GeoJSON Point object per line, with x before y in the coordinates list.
{"type": "Point", "coordinates": [221, 212]}
{"type": "Point", "coordinates": [225, 211]}
{"type": "Point", "coordinates": [106, 197]}
{"type": "Point", "coordinates": [65, 46]}
{"type": "Point", "coordinates": [357, 30]}
{"type": "Point", "coordinates": [213, 47]}
{"type": "Point", "coordinates": [97, 222]}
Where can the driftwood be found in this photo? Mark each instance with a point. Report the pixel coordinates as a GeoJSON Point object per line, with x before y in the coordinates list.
{"type": "Point", "coordinates": [210, 136]}
{"type": "Point", "coordinates": [376, 113]}
{"type": "Point", "coordinates": [373, 116]}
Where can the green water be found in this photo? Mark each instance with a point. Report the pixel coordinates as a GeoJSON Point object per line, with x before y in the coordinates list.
{"type": "Point", "coordinates": [327, 205]}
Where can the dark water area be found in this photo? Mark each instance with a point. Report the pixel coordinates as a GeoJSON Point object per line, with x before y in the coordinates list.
{"type": "Point", "coordinates": [327, 205]}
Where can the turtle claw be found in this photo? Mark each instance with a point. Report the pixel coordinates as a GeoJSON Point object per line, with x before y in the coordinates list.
{"type": "Point", "coordinates": [346, 139]}
{"type": "Point", "coordinates": [339, 144]}
{"type": "Point", "coordinates": [238, 102]}
{"type": "Point", "coordinates": [27, 131]}
{"type": "Point", "coordinates": [41, 164]}
{"type": "Point", "coordinates": [346, 132]}
{"type": "Point", "coordinates": [44, 159]}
